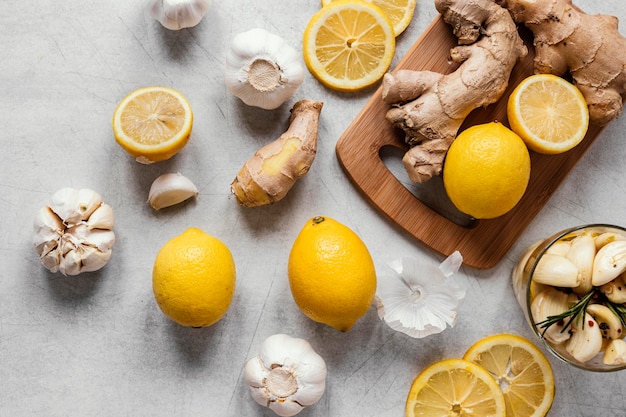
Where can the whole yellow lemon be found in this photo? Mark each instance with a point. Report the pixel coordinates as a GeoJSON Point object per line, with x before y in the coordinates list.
{"type": "Point", "coordinates": [486, 170]}
{"type": "Point", "coordinates": [193, 279]}
{"type": "Point", "coordinates": [331, 273]}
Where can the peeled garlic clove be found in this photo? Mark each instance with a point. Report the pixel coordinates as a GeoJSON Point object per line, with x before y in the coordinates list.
{"type": "Point", "coordinates": [586, 340]}
{"type": "Point", "coordinates": [557, 271]}
{"type": "Point", "coordinates": [610, 324]}
{"type": "Point", "coordinates": [615, 353]}
{"type": "Point", "coordinates": [559, 248]}
{"type": "Point", "coordinates": [581, 253]}
{"type": "Point", "coordinates": [615, 290]}
{"type": "Point", "coordinates": [610, 261]}
{"type": "Point", "coordinates": [551, 302]}
{"type": "Point", "coordinates": [607, 237]}
{"type": "Point", "coordinates": [170, 189]}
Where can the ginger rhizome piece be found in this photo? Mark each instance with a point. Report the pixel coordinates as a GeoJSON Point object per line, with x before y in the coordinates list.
{"type": "Point", "coordinates": [273, 170]}
{"type": "Point", "coordinates": [588, 47]}
{"type": "Point", "coordinates": [430, 107]}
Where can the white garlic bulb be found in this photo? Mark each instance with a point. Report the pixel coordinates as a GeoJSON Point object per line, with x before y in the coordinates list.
{"type": "Point", "coordinates": [178, 14]}
{"type": "Point", "coordinates": [286, 376]}
{"type": "Point", "coordinates": [262, 70]}
{"type": "Point", "coordinates": [74, 233]}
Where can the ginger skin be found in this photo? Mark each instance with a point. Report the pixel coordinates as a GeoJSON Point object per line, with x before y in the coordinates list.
{"type": "Point", "coordinates": [430, 107]}
{"type": "Point", "coordinates": [268, 176]}
{"type": "Point", "coordinates": [589, 47]}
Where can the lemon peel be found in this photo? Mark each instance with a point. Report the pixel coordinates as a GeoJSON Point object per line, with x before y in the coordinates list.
{"type": "Point", "coordinates": [417, 299]}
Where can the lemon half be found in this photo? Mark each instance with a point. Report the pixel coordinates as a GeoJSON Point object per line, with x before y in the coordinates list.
{"type": "Point", "coordinates": [153, 123]}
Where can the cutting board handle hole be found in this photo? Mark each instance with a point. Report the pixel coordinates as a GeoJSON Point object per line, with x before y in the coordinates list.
{"type": "Point", "coordinates": [431, 193]}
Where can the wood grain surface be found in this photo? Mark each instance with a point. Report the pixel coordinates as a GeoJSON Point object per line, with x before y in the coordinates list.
{"type": "Point", "coordinates": [483, 243]}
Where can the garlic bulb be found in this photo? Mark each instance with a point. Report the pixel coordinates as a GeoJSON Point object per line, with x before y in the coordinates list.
{"type": "Point", "coordinates": [74, 233]}
{"type": "Point", "coordinates": [286, 376]}
{"type": "Point", "coordinates": [178, 14]}
{"type": "Point", "coordinates": [419, 300]}
{"type": "Point", "coordinates": [262, 70]}
{"type": "Point", "coordinates": [170, 189]}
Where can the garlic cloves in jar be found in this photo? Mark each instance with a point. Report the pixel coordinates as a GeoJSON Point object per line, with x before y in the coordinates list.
{"type": "Point", "coordinates": [170, 189]}
{"type": "Point", "coordinates": [262, 69]}
{"type": "Point", "coordinates": [178, 14]}
{"type": "Point", "coordinates": [286, 376]}
{"type": "Point", "coordinates": [610, 262]}
{"type": "Point", "coordinates": [74, 234]}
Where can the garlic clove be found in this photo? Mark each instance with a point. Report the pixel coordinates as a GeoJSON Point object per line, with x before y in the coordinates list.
{"type": "Point", "coordinates": [607, 237]}
{"type": "Point", "coordinates": [610, 261]}
{"type": "Point", "coordinates": [610, 325]}
{"type": "Point", "coordinates": [551, 302]}
{"type": "Point", "coordinates": [48, 229]}
{"type": "Point", "coordinates": [559, 248]}
{"type": "Point", "coordinates": [93, 259]}
{"type": "Point", "coordinates": [70, 263]}
{"type": "Point", "coordinates": [101, 218]}
{"type": "Point", "coordinates": [557, 271]}
{"type": "Point", "coordinates": [171, 189]}
{"type": "Point", "coordinates": [581, 253]}
{"type": "Point", "coordinates": [615, 290]}
{"type": "Point", "coordinates": [615, 353]}
{"type": "Point", "coordinates": [586, 340]}
{"type": "Point", "coordinates": [74, 205]}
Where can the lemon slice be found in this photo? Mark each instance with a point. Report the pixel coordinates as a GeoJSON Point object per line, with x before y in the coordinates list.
{"type": "Point", "coordinates": [455, 387]}
{"type": "Point", "coordinates": [153, 123]}
{"type": "Point", "coordinates": [349, 45]}
{"type": "Point", "coordinates": [549, 113]}
{"type": "Point", "coordinates": [400, 12]}
{"type": "Point", "coordinates": [522, 371]}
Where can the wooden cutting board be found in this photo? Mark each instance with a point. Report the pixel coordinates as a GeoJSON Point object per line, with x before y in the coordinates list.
{"type": "Point", "coordinates": [483, 243]}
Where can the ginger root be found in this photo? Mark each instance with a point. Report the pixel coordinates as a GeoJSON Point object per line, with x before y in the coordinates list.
{"type": "Point", "coordinates": [268, 176]}
{"type": "Point", "coordinates": [430, 107]}
{"type": "Point", "coordinates": [589, 47]}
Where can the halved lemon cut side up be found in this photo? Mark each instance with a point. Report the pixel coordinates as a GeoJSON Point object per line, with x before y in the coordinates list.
{"type": "Point", "coordinates": [455, 387]}
{"type": "Point", "coordinates": [348, 45]}
{"type": "Point", "coordinates": [153, 123]}
{"type": "Point", "coordinates": [549, 113]}
{"type": "Point", "coordinates": [522, 371]}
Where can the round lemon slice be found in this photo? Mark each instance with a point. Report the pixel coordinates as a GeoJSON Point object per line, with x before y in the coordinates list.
{"type": "Point", "coordinates": [522, 371]}
{"type": "Point", "coordinates": [455, 387]}
{"type": "Point", "coordinates": [400, 12]}
{"type": "Point", "coordinates": [348, 45]}
{"type": "Point", "coordinates": [549, 113]}
{"type": "Point", "coordinates": [153, 123]}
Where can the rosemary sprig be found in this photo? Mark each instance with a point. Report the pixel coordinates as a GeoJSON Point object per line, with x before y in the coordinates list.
{"type": "Point", "coordinates": [619, 310]}
{"type": "Point", "coordinates": [574, 313]}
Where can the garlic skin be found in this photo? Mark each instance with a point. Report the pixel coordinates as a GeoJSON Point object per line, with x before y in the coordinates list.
{"type": "Point", "coordinates": [262, 69]}
{"type": "Point", "coordinates": [286, 376]}
{"type": "Point", "coordinates": [170, 189]}
{"type": "Point", "coordinates": [419, 300]}
{"type": "Point", "coordinates": [178, 14]}
{"type": "Point", "coordinates": [74, 234]}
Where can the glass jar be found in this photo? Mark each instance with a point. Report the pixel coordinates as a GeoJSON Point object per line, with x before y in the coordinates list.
{"type": "Point", "coordinates": [526, 289]}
